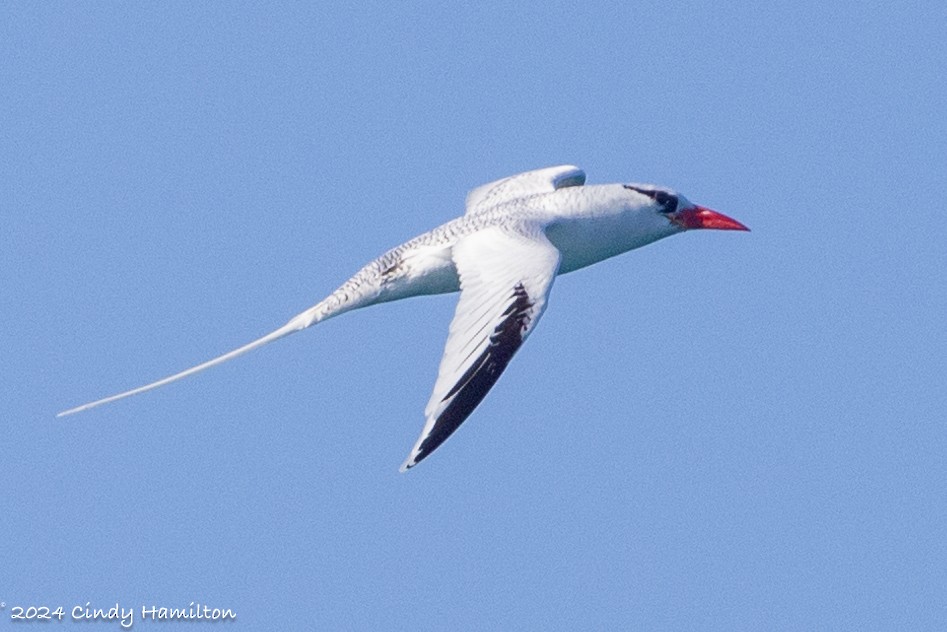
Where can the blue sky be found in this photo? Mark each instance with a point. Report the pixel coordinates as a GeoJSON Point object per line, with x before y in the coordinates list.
{"type": "Point", "coordinates": [733, 431]}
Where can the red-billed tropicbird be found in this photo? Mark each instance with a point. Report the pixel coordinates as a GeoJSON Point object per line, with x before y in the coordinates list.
{"type": "Point", "coordinates": [516, 235]}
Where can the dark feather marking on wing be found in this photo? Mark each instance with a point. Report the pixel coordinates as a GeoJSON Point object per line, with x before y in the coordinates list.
{"type": "Point", "coordinates": [477, 381]}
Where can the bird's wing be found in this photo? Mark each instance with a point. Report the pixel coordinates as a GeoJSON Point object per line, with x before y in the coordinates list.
{"type": "Point", "coordinates": [545, 180]}
{"type": "Point", "coordinates": [505, 278]}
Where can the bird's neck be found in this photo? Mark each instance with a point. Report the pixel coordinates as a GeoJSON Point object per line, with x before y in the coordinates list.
{"type": "Point", "coordinates": [599, 222]}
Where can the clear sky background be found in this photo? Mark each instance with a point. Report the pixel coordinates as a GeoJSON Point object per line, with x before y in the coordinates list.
{"type": "Point", "coordinates": [722, 431]}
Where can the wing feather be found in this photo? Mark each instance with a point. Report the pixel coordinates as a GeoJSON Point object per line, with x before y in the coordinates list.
{"type": "Point", "coordinates": [505, 278]}
{"type": "Point", "coordinates": [520, 185]}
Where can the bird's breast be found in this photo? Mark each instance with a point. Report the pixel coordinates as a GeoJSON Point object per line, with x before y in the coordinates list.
{"type": "Point", "coordinates": [588, 240]}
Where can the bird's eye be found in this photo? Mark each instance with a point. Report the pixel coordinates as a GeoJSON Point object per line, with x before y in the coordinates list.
{"type": "Point", "coordinates": [668, 201]}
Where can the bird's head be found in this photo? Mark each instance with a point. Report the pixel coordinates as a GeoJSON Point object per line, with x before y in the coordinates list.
{"type": "Point", "coordinates": [681, 213]}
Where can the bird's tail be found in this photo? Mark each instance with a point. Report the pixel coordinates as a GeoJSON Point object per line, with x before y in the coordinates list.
{"type": "Point", "coordinates": [352, 295]}
{"type": "Point", "coordinates": [285, 330]}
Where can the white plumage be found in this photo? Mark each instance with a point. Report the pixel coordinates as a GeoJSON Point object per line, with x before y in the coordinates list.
{"type": "Point", "coordinates": [503, 254]}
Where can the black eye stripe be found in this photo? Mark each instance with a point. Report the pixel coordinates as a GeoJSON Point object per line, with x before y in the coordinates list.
{"type": "Point", "coordinates": [668, 201]}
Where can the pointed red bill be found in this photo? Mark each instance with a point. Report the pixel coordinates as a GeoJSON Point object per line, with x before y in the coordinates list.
{"type": "Point", "coordinates": [700, 217]}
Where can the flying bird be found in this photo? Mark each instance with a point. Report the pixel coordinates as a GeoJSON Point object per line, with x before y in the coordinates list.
{"type": "Point", "coordinates": [516, 236]}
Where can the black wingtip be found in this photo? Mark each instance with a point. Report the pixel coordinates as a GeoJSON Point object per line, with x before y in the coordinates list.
{"type": "Point", "coordinates": [483, 373]}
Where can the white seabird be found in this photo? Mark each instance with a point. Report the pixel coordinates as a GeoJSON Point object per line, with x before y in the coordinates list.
{"type": "Point", "coordinates": [517, 235]}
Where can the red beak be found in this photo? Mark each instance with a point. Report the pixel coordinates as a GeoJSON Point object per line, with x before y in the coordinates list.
{"type": "Point", "coordinates": [700, 217]}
